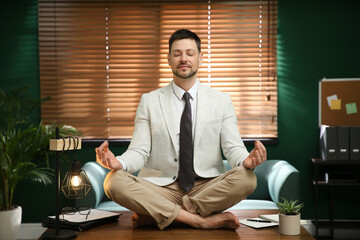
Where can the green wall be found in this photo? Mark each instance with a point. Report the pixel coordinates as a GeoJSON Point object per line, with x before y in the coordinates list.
{"type": "Point", "coordinates": [316, 39]}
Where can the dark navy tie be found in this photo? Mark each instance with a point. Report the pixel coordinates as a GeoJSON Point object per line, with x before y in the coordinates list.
{"type": "Point", "coordinates": [186, 173]}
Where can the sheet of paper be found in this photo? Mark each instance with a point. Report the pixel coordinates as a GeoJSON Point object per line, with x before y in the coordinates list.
{"type": "Point", "coordinates": [332, 97]}
{"type": "Point", "coordinates": [335, 104]}
{"type": "Point", "coordinates": [275, 218]}
{"type": "Point", "coordinates": [351, 108]}
{"type": "Point", "coordinates": [93, 215]}
{"type": "Point", "coordinates": [257, 224]}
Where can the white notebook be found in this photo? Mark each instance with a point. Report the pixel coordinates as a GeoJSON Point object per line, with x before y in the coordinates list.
{"type": "Point", "coordinates": [94, 214]}
{"type": "Point", "coordinates": [251, 222]}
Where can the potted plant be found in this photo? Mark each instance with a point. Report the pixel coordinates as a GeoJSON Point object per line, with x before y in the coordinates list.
{"type": "Point", "coordinates": [24, 153]}
{"type": "Point", "coordinates": [289, 217]}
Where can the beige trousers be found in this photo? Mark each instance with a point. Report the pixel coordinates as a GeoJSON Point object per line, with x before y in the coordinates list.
{"type": "Point", "coordinates": [208, 196]}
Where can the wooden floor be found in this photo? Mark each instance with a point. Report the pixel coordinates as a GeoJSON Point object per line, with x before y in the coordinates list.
{"type": "Point", "coordinates": [123, 230]}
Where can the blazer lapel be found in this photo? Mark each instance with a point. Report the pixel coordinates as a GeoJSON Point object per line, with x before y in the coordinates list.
{"type": "Point", "coordinates": [201, 115]}
{"type": "Point", "coordinates": [168, 112]}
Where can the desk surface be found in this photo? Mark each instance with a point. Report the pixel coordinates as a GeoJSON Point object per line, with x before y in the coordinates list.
{"type": "Point", "coordinates": [124, 230]}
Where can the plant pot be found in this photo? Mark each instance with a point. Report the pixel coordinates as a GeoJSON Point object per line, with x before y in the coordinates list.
{"type": "Point", "coordinates": [289, 224]}
{"type": "Point", "coordinates": [10, 221]}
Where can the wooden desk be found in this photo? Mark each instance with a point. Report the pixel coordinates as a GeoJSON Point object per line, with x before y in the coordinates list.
{"type": "Point", "coordinates": [123, 230]}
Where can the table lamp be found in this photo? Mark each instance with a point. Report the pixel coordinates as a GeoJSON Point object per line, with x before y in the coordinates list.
{"type": "Point", "coordinates": [76, 184]}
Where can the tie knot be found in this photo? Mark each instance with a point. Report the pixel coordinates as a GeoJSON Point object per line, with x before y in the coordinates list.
{"type": "Point", "coordinates": [186, 96]}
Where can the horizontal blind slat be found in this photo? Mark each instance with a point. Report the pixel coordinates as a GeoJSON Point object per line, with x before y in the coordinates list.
{"type": "Point", "coordinates": [97, 58]}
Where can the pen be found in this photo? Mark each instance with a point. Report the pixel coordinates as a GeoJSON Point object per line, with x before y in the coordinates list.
{"type": "Point", "coordinates": [255, 220]}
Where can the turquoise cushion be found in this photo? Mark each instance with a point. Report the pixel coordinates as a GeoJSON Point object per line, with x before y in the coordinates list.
{"type": "Point", "coordinates": [244, 204]}
{"type": "Point", "coordinates": [254, 204]}
{"type": "Point", "coordinates": [111, 206]}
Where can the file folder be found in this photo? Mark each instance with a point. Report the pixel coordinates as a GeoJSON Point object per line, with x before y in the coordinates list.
{"type": "Point", "coordinates": [328, 142]}
{"type": "Point", "coordinates": [343, 143]}
{"type": "Point", "coordinates": [354, 143]}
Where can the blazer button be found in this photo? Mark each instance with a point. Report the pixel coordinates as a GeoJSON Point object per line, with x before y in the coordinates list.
{"type": "Point", "coordinates": [175, 159]}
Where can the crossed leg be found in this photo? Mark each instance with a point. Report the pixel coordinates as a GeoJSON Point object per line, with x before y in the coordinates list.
{"type": "Point", "coordinates": [196, 211]}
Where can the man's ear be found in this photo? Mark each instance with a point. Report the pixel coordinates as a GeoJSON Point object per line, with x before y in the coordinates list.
{"type": "Point", "coordinates": [201, 58]}
{"type": "Point", "coordinates": [168, 58]}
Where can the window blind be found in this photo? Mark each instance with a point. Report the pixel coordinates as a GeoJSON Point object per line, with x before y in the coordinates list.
{"type": "Point", "coordinates": [98, 57]}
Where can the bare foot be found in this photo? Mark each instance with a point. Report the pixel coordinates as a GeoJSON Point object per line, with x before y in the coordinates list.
{"type": "Point", "coordinates": [139, 220]}
{"type": "Point", "coordinates": [222, 220]}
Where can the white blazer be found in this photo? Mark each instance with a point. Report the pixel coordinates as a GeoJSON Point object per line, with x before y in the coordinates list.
{"type": "Point", "coordinates": [153, 148]}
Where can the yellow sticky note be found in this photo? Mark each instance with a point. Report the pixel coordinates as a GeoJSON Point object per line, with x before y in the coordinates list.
{"type": "Point", "coordinates": [335, 104]}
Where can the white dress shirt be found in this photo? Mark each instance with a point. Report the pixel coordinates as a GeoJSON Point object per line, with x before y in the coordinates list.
{"type": "Point", "coordinates": [179, 105]}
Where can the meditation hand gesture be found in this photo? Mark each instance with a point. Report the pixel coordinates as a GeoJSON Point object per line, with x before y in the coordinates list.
{"type": "Point", "coordinates": [256, 157]}
{"type": "Point", "coordinates": [106, 158]}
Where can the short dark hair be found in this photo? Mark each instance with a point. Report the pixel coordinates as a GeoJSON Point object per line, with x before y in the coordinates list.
{"type": "Point", "coordinates": [184, 34]}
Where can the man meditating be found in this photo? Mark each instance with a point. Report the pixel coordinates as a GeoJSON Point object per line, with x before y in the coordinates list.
{"type": "Point", "coordinates": [180, 131]}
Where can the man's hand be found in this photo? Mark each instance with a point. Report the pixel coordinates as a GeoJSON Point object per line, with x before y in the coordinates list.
{"type": "Point", "coordinates": [106, 158]}
{"type": "Point", "coordinates": [256, 157]}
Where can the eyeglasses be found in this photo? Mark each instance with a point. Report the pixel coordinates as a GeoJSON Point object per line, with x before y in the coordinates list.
{"type": "Point", "coordinates": [85, 211]}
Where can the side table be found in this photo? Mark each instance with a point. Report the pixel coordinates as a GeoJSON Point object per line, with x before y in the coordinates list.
{"type": "Point", "coordinates": [333, 173]}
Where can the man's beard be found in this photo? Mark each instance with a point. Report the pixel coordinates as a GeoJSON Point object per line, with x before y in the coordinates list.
{"type": "Point", "coordinates": [191, 74]}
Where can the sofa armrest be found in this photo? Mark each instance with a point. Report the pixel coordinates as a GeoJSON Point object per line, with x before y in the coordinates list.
{"type": "Point", "coordinates": [283, 182]}
{"type": "Point", "coordinates": [276, 179]}
{"type": "Point", "coordinates": [96, 175]}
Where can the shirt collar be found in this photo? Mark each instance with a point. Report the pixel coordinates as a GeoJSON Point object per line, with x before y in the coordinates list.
{"type": "Point", "coordinates": [179, 92]}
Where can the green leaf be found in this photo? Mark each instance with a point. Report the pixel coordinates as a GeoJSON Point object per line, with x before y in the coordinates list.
{"type": "Point", "coordinates": [24, 145]}
{"type": "Point", "coordinates": [289, 207]}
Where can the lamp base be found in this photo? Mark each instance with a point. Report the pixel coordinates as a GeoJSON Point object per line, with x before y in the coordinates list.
{"type": "Point", "coordinates": [63, 234]}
